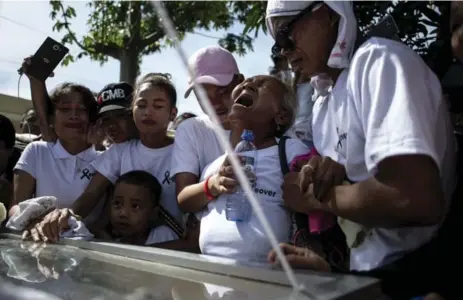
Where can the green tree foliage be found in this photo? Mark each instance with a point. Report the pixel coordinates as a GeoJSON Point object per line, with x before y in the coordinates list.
{"type": "Point", "coordinates": [423, 25]}
{"type": "Point", "coordinates": [128, 30]}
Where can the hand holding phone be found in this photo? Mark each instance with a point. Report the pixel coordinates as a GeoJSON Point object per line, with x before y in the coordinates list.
{"type": "Point", "coordinates": [41, 65]}
{"type": "Point", "coordinates": [25, 68]}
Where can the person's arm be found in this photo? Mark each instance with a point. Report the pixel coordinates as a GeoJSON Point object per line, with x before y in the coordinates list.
{"type": "Point", "coordinates": [39, 97]}
{"type": "Point", "coordinates": [191, 196]}
{"type": "Point", "coordinates": [185, 164]}
{"type": "Point", "coordinates": [188, 243]}
{"type": "Point", "coordinates": [24, 180]}
{"type": "Point", "coordinates": [95, 190]}
{"type": "Point", "coordinates": [405, 191]}
{"type": "Point", "coordinates": [408, 140]}
{"type": "Point", "coordinates": [23, 189]}
{"type": "Point", "coordinates": [107, 170]}
{"type": "Point", "coordinates": [180, 245]}
{"type": "Point", "coordinates": [99, 226]}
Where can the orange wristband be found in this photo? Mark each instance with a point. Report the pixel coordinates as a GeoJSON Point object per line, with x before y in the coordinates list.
{"type": "Point", "coordinates": [209, 196]}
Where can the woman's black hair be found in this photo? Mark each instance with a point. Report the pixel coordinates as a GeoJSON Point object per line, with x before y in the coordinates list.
{"type": "Point", "coordinates": [7, 132]}
{"type": "Point", "coordinates": [144, 179]}
{"type": "Point", "coordinates": [160, 80]}
{"type": "Point", "coordinates": [166, 75]}
{"type": "Point", "coordinates": [68, 87]}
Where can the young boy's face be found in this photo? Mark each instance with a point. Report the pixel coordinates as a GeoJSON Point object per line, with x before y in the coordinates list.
{"type": "Point", "coordinates": [117, 125]}
{"type": "Point", "coordinates": [132, 209]}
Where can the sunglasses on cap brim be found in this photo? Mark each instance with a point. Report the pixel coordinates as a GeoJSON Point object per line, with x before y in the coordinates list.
{"type": "Point", "coordinates": [283, 39]}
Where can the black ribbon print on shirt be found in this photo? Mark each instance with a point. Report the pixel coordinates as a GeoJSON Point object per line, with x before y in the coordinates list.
{"type": "Point", "coordinates": [341, 138]}
{"type": "Point", "coordinates": [86, 174]}
{"type": "Point", "coordinates": [166, 178]}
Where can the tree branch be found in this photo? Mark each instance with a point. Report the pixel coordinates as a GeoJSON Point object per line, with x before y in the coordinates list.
{"type": "Point", "coordinates": [152, 38]}
{"type": "Point", "coordinates": [70, 32]}
{"type": "Point", "coordinates": [111, 50]}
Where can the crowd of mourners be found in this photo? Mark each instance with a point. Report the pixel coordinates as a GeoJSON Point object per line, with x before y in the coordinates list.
{"type": "Point", "coordinates": [356, 169]}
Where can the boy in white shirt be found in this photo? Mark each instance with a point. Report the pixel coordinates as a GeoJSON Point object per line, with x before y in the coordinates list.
{"type": "Point", "coordinates": [134, 211]}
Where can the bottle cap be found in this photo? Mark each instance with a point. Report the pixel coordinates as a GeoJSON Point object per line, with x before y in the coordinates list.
{"type": "Point", "coordinates": [247, 135]}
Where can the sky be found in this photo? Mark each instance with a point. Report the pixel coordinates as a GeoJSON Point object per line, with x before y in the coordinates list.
{"type": "Point", "coordinates": [24, 25]}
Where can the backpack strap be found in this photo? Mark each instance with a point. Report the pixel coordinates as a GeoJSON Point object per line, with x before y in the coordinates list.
{"type": "Point", "coordinates": [282, 154]}
{"type": "Point", "coordinates": [171, 222]}
{"type": "Point", "coordinates": [300, 220]}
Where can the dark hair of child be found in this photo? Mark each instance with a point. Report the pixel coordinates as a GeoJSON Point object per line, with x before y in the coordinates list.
{"type": "Point", "coordinates": [144, 179]}
{"type": "Point", "coordinates": [166, 75]}
{"type": "Point", "coordinates": [7, 132]}
{"type": "Point", "coordinates": [68, 87]}
{"type": "Point", "coordinates": [159, 80]}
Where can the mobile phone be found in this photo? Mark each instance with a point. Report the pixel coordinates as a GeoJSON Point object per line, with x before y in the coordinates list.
{"type": "Point", "coordinates": [46, 59]}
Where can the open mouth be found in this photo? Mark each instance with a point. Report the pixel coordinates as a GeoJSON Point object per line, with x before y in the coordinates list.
{"type": "Point", "coordinates": [148, 122]}
{"type": "Point", "coordinates": [244, 100]}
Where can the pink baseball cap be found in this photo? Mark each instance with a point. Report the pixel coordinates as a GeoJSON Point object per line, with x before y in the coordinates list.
{"type": "Point", "coordinates": [212, 65]}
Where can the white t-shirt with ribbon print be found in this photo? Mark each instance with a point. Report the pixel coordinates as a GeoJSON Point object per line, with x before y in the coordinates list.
{"type": "Point", "coordinates": [387, 103]}
{"type": "Point", "coordinates": [133, 155]}
{"type": "Point", "coordinates": [59, 173]}
{"type": "Point", "coordinates": [196, 145]}
{"type": "Point", "coordinates": [247, 241]}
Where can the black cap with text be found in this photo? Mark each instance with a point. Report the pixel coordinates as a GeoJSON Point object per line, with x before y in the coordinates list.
{"type": "Point", "coordinates": [114, 96]}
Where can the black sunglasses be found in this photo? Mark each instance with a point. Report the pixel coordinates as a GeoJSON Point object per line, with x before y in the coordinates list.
{"type": "Point", "coordinates": [283, 35]}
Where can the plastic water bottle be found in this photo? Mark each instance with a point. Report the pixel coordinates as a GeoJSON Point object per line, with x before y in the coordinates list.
{"type": "Point", "coordinates": [238, 208]}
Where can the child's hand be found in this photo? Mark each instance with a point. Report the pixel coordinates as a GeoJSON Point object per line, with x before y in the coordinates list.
{"type": "Point", "coordinates": [25, 67]}
{"type": "Point", "coordinates": [300, 258]}
{"type": "Point", "coordinates": [49, 229]}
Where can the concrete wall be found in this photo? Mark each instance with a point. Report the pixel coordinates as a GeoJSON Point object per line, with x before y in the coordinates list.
{"type": "Point", "coordinates": [13, 108]}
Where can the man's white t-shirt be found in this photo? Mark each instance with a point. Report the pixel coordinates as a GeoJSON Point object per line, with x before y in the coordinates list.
{"type": "Point", "coordinates": [387, 103]}
{"type": "Point", "coordinates": [161, 234]}
{"type": "Point", "coordinates": [196, 145]}
{"type": "Point", "coordinates": [247, 241]}
{"type": "Point", "coordinates": [302, 128]}
{"type": "Point", "coordinates": [58, 173]}
{"type": "Point", "coordinates": [133, 155]}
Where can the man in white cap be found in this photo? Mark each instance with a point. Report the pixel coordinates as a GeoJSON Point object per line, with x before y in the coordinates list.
{"type": "Point", "coordinates": [381, 120]}
{"type": "Point", "coordinates": [196, 144]}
